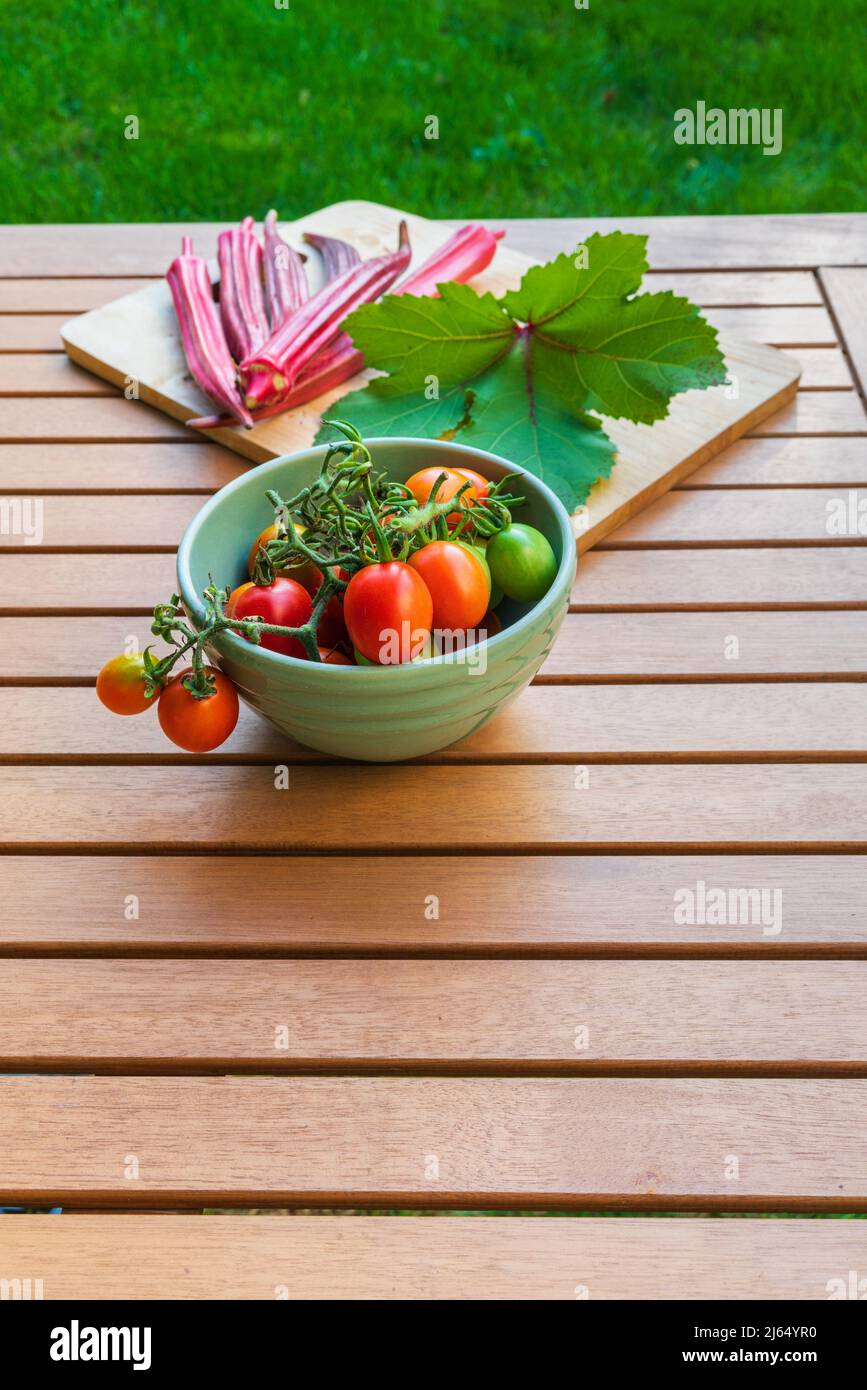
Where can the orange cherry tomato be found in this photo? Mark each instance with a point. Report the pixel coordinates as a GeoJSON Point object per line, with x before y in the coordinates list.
{"type": "Point", "coordinates": [120, 685]}
{"type": "Point", "coordinates": [421, 485]}
{"type": "Point", "coordinates": [334, 657]}
{"type": "Point", "coordinates": [481, 485]}
{"type": "Point", "coordinates": [269, 534]}
{"type": "Point", "coordinates": [457, 581]}
{"type": "Point", "coordinates": [198, 725]}
{"type": "Point", "coordinates": [304, 572]}
{"type": "Point", "coordinates": [234, 596]}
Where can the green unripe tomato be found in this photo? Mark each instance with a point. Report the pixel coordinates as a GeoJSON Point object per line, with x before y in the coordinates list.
{"type": "Point", "coordinates": [521, 562]}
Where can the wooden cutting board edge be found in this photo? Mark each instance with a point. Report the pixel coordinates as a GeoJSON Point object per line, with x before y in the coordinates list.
{"type": "Point", "coordinates": [604, 512]}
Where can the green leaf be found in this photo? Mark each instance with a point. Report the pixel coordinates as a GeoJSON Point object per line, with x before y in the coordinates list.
{"type": "Point", "coordinates": [412, 414]}
{"type": "Point", "coordinates": [630, 362]}
{"type": "Point", "coordinates": [519, 375]}
{"type": "Point", "coordinates": [515, 414]}
{"type": "Point", "coordinates": [416, 338]}
{"type": "Point", "coordinates": [507, 410]}
{"type": "Point", "coordinates": [611, 268]}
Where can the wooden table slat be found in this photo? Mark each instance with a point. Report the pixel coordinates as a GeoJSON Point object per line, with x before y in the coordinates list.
{"type": "Point", "coordinates": [818, 577]}
{"type": "Point", "coordinates": [379, 1257]}
{"type": "Point", "coordinates": [47, 373]}
{"type": "Point", "coordinates": [815, 413]}
{"type": "Point", "coordinates": [847, 296]}
{"type": "Point", "coordinates": [81, 468]}
{"type": "Point", "coordinates": [695, 738]}
{"type": "Point", "coordinates": [773, 241]}
{"type": "Point", "coordinates": [823, 369]}
{"type": "Point", "coordinates": [708, 722]}
{"type": "Point", "coordinates": [574, 1017]}
{"type": "Point", "coordinates": [491, 906]}
{"type": "Point", "coordinates": [722, 579]}
{"type": "Point", "coordinates": [72, 419]}
{"type": "Point", "coordinates": [765, 516]}
{"type": "Point", "coordinates": [770, 462]}
{"type": "Point", "coordinates": [56, 295]}
{"type": "Point", "coordinates": [556, 1142]}
{"type": "Point", "coordinates": [524, 809]}
{"type": "Point", "coordinates": [630, 647]}
{"type": "Point", "coordinates": [690, 518]}
{"type": "Point", "coordinates": [178, 467]}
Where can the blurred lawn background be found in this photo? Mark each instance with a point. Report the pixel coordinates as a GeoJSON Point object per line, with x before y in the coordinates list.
{"type": "Point", "coordinates": [543, 109]}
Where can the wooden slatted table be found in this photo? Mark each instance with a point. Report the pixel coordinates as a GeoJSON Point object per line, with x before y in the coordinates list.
{"type": "Point", "coordinates": [219, 995]}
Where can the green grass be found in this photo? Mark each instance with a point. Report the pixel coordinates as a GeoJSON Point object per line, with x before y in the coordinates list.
{"type": "Point", "coordinates": [543, 109]}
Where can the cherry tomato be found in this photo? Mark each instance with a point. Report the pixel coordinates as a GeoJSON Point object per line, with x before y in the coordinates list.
{"type": "Point", "coordinates": [120, 685]}
{"type": "Point", "coordinates": [457, 580]}
{"type": "Point", "coordinates": [235, 595]}
{"type": "Point", "coordinates": [332, 656]}
{"type": "Point", "coordinates": [331, 630]}
{"type": "Point", "coordinates": [479, 551]}
{"type": "Point", "coordinates": [522, 562]}
{"type": "Point", "coordinates": [198, 725]}
{"type": "Point", "coordinates": [304, 571]}
{"type": "Point", "coordinates": [481, 486]}
{"type": "Point", "coordinates": [285, 603]}
{"type": "Point", "coordinates": [421, 485]}
{"type": "Point", "coordinates": [424, 653]}
{"type": "Point", "coordinates": [388, 611]}
{"type": "Point", "coordinates": [490, 626]}
{"type": "Point", "coordinates": [269, 534]}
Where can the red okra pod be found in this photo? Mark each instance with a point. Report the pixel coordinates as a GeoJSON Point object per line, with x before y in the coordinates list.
{"type": "Point", "coordinates": [337, 255]}
{"type": "Point", "coordinates": [205, 346]}
{"type": "Point", "coordinates": [286, 285]}
{"type": "Point", "coordinates": [274, 368]}
{"type": "Point", "coordinates": [242, 301]}
{"type": "Point", "coordinates": [464, 255]}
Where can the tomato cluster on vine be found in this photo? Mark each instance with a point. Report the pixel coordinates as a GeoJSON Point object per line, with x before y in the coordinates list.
{"type": "Point", "coordinates": [355, 570]}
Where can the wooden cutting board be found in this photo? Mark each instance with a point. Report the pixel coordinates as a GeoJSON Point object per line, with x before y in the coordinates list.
{"type": "Point", "coordinates": [135, 344]}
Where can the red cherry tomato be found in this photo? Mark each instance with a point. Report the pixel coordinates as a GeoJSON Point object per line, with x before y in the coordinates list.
{"type": "Point", "coordinates": [388, 611]}
{"type": "Point", "coordinates": [457, 581]}
{"type": "Point", "coordinates": [285, 603]}
{"type": "Point", "coordinates": [120, 685]}
{"type": "Point", "coordinates": [198, 725]}
{"type": "Point", "coordinates": [332, 627]}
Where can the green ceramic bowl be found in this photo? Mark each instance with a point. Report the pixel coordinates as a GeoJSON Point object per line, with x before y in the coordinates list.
{"type": "Point", "coordinates": [379, 714]}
